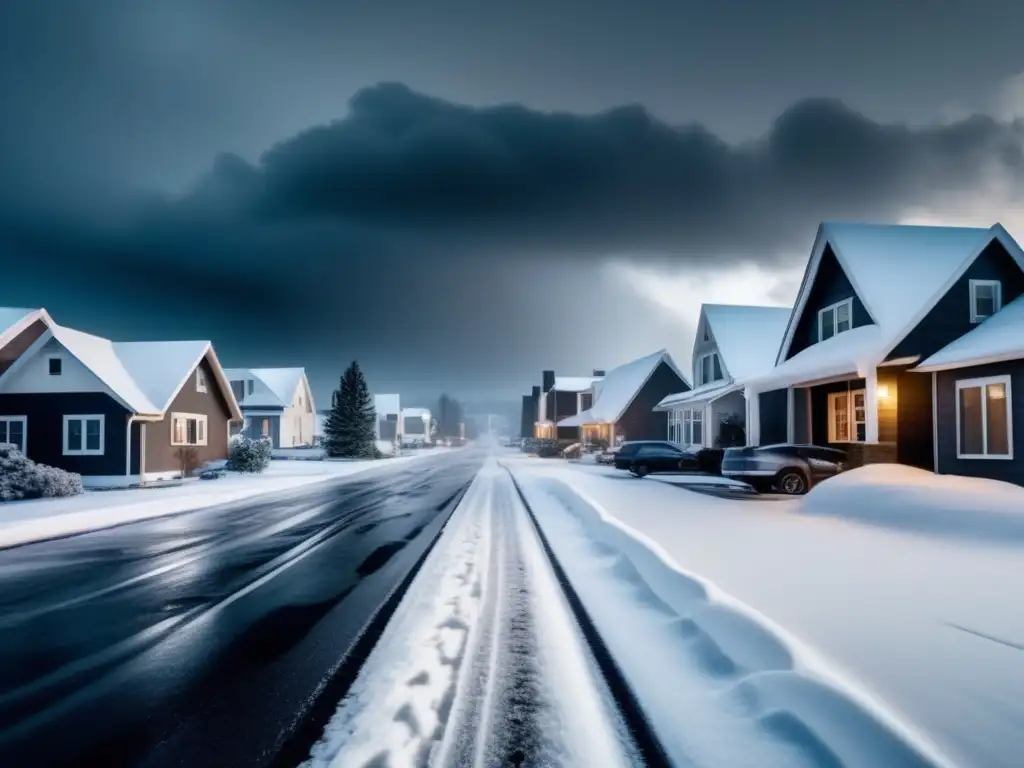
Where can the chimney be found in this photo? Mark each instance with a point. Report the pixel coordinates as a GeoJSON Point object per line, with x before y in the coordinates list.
{"type": "Point", "coordinates": [535, 394]}
{"type": "Point", "coordinates": [598, 373]}
{"type": "Point", "coordinates": [548, 381]}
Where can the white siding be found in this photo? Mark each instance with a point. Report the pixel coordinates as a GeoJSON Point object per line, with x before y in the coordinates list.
{"type": "Point", "coordinates": [33, 374]}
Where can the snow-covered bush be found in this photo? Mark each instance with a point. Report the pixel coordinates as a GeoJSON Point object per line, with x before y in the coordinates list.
{"type": "Point", "coordinates": [248, 455]}
{"type": "Point", "coordinates": [22, 478]}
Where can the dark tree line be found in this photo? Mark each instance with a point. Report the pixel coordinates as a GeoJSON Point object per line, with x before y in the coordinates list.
{"type": "Point", "coordinates": [450, 417]}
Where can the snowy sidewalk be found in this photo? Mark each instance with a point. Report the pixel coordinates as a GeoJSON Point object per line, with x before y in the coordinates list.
{"type": "Point", "coordinates": [917, 622]}
{"type": "Point", "coordinates": [31, 520]}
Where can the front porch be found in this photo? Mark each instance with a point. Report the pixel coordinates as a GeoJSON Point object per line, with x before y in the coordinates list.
{"type": "Point", "coordinates": [882, 414]}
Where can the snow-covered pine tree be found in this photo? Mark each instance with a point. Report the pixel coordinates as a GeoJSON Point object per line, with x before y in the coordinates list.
{"type": "Point", "coordinates": [349, 429]}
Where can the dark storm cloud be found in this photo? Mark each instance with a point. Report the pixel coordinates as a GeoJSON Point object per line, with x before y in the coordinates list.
{"type": "Point", "coordinates": [454, 234]}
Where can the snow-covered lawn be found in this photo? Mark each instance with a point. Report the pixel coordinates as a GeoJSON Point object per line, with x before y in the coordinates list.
{"type": "Point", "coordinates": [885, 604]}
{"type": "Point", "coordinates": [37, 519]}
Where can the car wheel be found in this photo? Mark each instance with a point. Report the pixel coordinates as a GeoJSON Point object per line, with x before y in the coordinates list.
{"type": "Point", "coordinates": [641, 470]}
{"type": "Point", "coordinates": [792, 482]}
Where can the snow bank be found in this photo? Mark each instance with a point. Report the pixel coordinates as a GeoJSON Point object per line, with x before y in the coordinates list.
{"type": "Point", "coordinates": [896, 496]}
{"type": "Point", "coordinates": [722, 683]}
{"type": "Point", "coordinates": [37, 519]}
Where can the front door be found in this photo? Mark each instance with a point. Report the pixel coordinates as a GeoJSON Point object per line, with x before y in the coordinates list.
{"type": "Point", "coordinates": [846, 417]}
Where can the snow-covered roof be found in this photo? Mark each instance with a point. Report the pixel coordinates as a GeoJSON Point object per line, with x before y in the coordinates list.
{"type": "Point", "coordinates": [850, 352]}
{"type": "Point", "coordinates": [145, 375]}
{"type": "Point", "coordinates": [384, 404]}
{"type": "Point", "coordinates": [13, 320]}
{"type": "Point", "coordinates": [281, 384]}
{"type": "Point", "coordinates": [748, 337]}
{"type": "Point", "coordinates": [898, 271]}
{"type": "Point", "coordinates": [614, 393]}
{"type": "Point", "coordinates": [704, 394]}
{"type": "Point", "coordinates": [1000, 337]}
{"type": "Point", "coordinates": [574, 383]}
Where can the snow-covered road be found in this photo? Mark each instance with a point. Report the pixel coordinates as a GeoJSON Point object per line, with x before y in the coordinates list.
{"type": "Point", "coordinates": [483, 664]}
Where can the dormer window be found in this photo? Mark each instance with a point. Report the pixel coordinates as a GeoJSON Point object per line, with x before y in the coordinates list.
{"type": "Point", "coordinates": [55, 366]}
{"type": "Point", "coordinates": [986, 299]}
{"type": "Point", "coordinates": [835, 319]}
{"type": "Point", "coordinates": [708, 369]}
{"type": "Point", "coordinates": [200, 380]}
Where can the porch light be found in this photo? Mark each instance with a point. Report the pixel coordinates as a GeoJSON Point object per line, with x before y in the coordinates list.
{"type": "Point", "coordinates": [883, 390]}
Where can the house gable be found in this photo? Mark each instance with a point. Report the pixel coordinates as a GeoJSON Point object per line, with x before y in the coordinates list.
{"type": "Point", "coordinates": [20, 344]}
{"type": "Point", "coordinates": [830, 284]}
{"type": "Point", "coordinates": [161, 456]}
{"type": "Point", "coordinates": [31, 373]}
{"type": "Point", "coordinates": [950, 317]}
{"type": "Point", "coordinates": [639, 421]}
{"type": "Point", "coordinates": [706, 344]}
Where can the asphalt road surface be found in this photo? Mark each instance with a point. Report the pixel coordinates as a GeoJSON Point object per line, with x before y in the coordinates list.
{"type": "Point", "coordinates": [202, 639]}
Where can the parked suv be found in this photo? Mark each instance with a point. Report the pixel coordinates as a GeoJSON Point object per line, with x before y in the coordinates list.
{"type": "Point", "coordinates": [625, 453]}
{"type": "Point", "coordinates": [791, 469]}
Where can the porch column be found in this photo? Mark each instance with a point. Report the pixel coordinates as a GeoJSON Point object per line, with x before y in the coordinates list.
{"type": "Point", "coordinates": [753, 427]}
{"type": "Point", "coordinates": [871, 405]}
{"type": "Point", "coordinates": [790, 416]}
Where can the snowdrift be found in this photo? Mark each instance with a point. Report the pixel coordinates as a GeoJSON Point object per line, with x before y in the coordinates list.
{"type": "Point", "coordinates": [913, 500]}
{"type": "Point", "coordinates": [721, 683]}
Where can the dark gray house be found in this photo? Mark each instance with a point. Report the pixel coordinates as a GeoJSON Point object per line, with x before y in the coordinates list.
{"type": "Point", "coordinates": [622, 402]}
{"type": "Point", "coordinates": [875, 301]}
{"type": "Point", "coordinates": [118, 413]}
{"type": "Point", "coordinates": [973, 380]}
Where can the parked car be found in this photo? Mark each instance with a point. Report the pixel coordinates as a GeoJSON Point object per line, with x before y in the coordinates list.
{"type": "Point", "coordinates": [655, 457]}
{"type": "Point", "coordinates": [625, 453]}
{"type": "Point", "coordinates": [607, 456]}
{"type": "Point", "coordinates": [791, 469]}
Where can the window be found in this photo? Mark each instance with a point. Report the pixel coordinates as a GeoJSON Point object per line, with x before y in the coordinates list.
{"type": "Point", "coordinates": [986, 299]}
{"type": "Point", "coordinates": [56, 365]}
{"type": "Point", "coordinates": [265, 428]}
{"type": "Point", "coordinates": [249, 386]}
{"type": "Point", "coordinates": [200, 380]}
{"type": "Point", "coordinates": [835, 319]}
{"type": "Point", "coordinates": [846, 417]}
{"type": "Point", "coordinates": [188, 429]}
{"type": "Point", "coordinates": [83, 435]}
{"type": "Point", "coordinates": [13, 430]}
{"type": "Point", "coordinates": [686, 426]}
{"type": "Point", "coordinates": [708, 369]}
{"type": "Point", "coordinates": [983, 427]}
{"type": "Point", "coordinates": [706, 336]}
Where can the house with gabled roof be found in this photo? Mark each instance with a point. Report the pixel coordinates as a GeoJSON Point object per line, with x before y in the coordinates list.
{"type": "Point", "coordinates": [276, 403]}
{"type": "Point", "coordinates": [118, 413]}
{"type": "Point", "coordinates": [623, 401]}
{"type": "Point", "coordinates": [733, 344]}
{"type": "Point", "coordinates": [875, 301]}
{"type": "Point", "coordinates": [557, 398]}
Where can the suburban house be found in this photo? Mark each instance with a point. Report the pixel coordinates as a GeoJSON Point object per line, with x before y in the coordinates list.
{"type": "Point", "coordinates": [118, 413]}
{"type": "Point", "coordinates": [972, 382]}
{"type": "Point", "coordinates": [557, 398]}
{"type": "Point", "coordinates": [276, 403]}
{"type": "Point", "coordinates": [876, 301]}
{"type": "Point", "coordinates": [389, 411]}
{"type": "Point", "coordinates": [733, 344]}
{"type": "Point", "coordinates": [622, 402]}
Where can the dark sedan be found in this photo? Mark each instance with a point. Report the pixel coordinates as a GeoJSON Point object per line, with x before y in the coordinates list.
{"type": "Point", "coordinates": [660, 457]}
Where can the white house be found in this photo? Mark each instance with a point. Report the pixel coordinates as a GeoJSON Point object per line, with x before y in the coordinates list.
{"type": "Point", "coordinates": [276, 403]}
{"type": "Point", "coordinates": [734, 344]}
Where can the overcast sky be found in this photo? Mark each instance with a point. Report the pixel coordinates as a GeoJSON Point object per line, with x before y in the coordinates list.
{"type": "Point", "coordinates": [459, 194]}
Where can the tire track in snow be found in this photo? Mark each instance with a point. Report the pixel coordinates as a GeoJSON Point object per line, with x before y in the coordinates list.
{"type": "Point", "coordinates": [482, 665]}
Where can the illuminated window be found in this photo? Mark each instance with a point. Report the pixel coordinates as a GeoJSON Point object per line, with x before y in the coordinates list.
{"type": "Point", "coordinates": [188, 429]}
